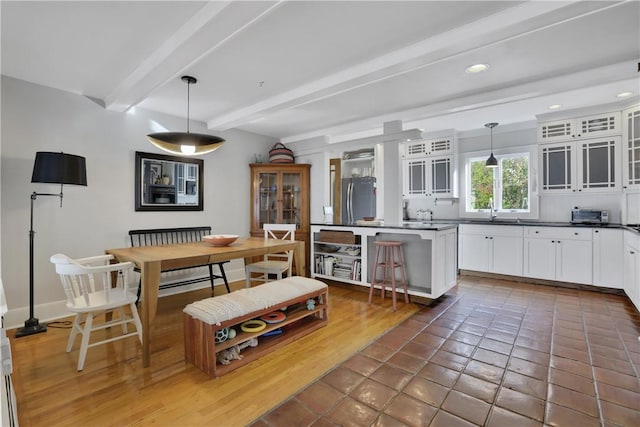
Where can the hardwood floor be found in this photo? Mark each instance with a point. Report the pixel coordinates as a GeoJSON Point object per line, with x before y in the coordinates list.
{"type": "Point", "coordinates": [114, 389]}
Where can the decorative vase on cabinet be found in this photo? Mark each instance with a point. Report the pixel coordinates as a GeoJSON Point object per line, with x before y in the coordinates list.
{"type": "Point", "coordinates": [280, 195]}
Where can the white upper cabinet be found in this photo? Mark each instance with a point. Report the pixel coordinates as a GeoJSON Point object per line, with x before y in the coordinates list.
{"type": "Point", "coordinates": [429, 147]}
{"type": "Point", "coordinates": [591, 165]}
{"type": "Point", "coordinates": [582, 154]}
{"type": "Point", "coordinates": [631, 148]}
{"type": "Point", "coordinates": [428, 176]}
{"type": "Point", "coordinates": [429, 168]}
{"type": "Point", "coordinates": [581, 127]}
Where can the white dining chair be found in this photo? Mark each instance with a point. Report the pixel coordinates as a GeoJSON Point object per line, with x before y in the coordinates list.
{"type": "Point", "coordinates": [274, 264]}
{"type": "Point", "coordinates": [93, 287]}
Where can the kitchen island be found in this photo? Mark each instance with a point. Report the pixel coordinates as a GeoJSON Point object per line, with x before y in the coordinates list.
{"type": "Point", "coordinates": [345, 253]}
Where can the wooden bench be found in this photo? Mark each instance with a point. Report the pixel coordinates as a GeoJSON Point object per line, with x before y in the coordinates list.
{"type": "Point", "coordinates": [202, 319]}
{"type": "Point", "coordinates": [169, 236]}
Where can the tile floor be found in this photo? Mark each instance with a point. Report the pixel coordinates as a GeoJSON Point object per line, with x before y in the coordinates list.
{"type": "Point", "coordinates": [492, 353]}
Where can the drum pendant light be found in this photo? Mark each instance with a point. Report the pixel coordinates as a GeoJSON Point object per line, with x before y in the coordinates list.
{"type": "Point", "coordinates": [492, 162]}
{"type": "Point", "coordinates": [185, 143]}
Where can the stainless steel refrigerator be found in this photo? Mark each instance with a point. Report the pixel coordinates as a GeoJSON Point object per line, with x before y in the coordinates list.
{"type": "Point", "coordinates": [358, 198]}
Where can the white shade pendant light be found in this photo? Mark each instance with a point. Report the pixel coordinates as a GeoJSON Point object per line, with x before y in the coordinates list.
{"type": "Point", "coordinates": [185, 143]}
{"type": "Point", "coordinates": [492, 162]}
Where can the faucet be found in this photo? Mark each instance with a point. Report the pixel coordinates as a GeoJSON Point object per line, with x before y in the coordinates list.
{"type": "Point", "coordinates": [430, 212]}
{"type": "Point", "coordinates": [492, 212]}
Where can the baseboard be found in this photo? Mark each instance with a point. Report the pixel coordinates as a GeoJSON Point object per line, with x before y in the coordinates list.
{"type": "Point", "coordinates": [47, 312]}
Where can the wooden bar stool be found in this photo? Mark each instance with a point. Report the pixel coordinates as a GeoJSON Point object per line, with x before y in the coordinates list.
{"type": "Point", "coordinates": [392, 258]}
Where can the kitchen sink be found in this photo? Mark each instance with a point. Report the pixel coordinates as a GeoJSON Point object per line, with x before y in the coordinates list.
{"type": "Point", "coordinates": [417, 224]}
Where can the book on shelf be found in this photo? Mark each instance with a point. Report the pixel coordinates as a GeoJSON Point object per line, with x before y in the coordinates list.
{"type": "Point", "coordinates": [342, 269]}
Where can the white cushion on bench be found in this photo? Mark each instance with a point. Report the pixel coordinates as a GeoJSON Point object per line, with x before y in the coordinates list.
{"type": "Point", "coordinates": [219, 309]}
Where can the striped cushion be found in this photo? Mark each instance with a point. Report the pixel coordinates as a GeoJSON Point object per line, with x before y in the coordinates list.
{"type": "Point", "coordinates": [216, 310]}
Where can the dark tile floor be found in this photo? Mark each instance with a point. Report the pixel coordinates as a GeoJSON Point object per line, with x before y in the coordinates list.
{"type": "Point", "coordinates": [493, 353]}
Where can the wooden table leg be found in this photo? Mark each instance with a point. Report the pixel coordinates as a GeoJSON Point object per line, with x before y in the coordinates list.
{"type": "Point", "coordinates": [150, 272]}
{"type": "Point", "coordinates": [299, 259]}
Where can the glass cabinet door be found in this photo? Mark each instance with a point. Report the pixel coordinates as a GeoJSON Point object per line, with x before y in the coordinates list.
{"type": "Point", "coordinates": [268, 198]}
{"type": "Point", "coordinates": [556, 167]}
{"type": "Point", "coordinates": [631, 148]}
{"type": "Point", "coordinates": [291, 198]}
{"type": "Point", "coordinates": [598, 164]}
{"type": "Point", "coordinates": [415, 177]}
{"type": "Point", "coordinates": [441, 175]}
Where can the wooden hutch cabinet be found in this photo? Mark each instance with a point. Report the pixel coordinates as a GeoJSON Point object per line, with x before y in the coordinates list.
{"type": "Point", "coordinates": [280, 195]}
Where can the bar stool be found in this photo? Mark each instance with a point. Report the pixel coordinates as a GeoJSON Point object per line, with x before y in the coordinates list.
{"type": "Point", "coordinates": [392, 258]}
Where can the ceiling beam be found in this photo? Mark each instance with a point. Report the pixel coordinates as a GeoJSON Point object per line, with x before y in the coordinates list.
{"type": "Point", "coordinates": [478, 34]}
{"type": "Point", "coordinates": [208, 29]}
{"type": "Point", "coordinates": [558, 85]}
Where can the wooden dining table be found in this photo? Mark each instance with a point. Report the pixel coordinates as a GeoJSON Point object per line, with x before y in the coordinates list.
{"type": "Point", "coordinates": [151, 260]}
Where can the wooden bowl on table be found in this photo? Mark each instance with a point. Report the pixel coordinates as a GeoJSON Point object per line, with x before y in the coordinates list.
{"type": "Point", "coordinates": [219, 239]}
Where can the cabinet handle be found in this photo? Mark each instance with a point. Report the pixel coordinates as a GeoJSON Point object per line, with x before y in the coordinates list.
{"type": "Point", "coordinates": [595, 231]}
{"type": "Point", "coordinates": [558, 241]}
{"type": "Point", "coordinates": [575, 234]}
{"type": "Point", "coordinates": [537, 232]}
{"type": "Point", "coordinates": [632, 252]}
{"type": "Point", "coordinates": [553, 241]}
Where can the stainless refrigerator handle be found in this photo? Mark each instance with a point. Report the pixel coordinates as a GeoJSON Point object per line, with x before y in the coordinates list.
{"type": "Point", "coordinates": [350, 203]}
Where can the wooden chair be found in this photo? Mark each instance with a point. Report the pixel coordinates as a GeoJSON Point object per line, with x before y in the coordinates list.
{"type": "Point", "coordinates": [275, 264]}
{"type": "Point", "coordinates": [94, 286]}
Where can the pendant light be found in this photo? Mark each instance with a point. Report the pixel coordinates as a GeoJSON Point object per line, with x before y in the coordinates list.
{"type": "Point", "coordinates": [185, 143]}
{"type": "Point", "coordinates": [492, 162]}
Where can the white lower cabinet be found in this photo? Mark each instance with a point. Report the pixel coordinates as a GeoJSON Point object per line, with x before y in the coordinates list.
{"type": "Point", "coordinates": [631, 261]}
{"type": "Point", "coordinates": [558, 253]}
{"type": "Point", "coordinates": [607, 262]}
{"type": "Point", "coordinates": [490, 248]}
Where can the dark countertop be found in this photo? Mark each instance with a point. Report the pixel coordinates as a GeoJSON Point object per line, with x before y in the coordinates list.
{"type": "Point", "coordinates": [451, 223]}
{"type": "Point", "coordinates": [434, 226]}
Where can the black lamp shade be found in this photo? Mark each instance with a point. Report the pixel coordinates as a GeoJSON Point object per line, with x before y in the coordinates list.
{"type": "Point", "coordinates": [492, 162]}
{"type": "Point", "coordinates": [175, 142]}
{"type": "Point", "coordinates": [59, 168]}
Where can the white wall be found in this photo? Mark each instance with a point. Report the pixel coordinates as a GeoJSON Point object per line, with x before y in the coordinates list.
{"type": "Point", "coordinates": [96, 217]}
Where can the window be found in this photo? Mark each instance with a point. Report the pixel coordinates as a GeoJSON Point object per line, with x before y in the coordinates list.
{"type": "Point", "coordinates": [506, 186]}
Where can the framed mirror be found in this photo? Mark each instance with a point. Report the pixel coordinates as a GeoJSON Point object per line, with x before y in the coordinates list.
{"type": "Point", "coordinates": [168, 183]}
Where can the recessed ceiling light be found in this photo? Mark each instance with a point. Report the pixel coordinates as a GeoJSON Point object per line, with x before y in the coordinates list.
{"type": "Point", "coordinates": [477, 68]}
{"type": "Point", "coordinates": [624, 94]}
{"type": "Point", "coordinates": [554, 106]}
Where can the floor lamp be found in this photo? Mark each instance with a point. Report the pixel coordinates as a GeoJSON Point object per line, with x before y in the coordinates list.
{"type": "Point", "coordinates": [49, 168]}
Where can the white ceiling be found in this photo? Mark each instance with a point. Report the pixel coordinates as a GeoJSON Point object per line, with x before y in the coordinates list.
{"type": "Point", "coordinates": [300, 69]}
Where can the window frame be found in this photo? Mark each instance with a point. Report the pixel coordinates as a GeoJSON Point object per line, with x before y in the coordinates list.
{"type": "Point", "coordinates": [514, 152]}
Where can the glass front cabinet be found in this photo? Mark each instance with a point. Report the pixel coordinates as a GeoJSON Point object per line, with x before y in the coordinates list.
{"type": "Point", "coordinates": [428, 168]}
{"type": "Point", "coordinates": [631, 148]}
{"type": "Point", "coordinates": [280, 195]}
{"type": "Point", "coordinates": [589, 165]}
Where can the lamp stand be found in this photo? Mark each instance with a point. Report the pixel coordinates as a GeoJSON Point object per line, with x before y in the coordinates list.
{"type": "Point", "coordinates": [32, 325]}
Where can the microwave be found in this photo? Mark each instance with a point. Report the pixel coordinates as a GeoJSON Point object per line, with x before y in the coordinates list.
{"type": "Point", "coordinates": [589, 216]}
